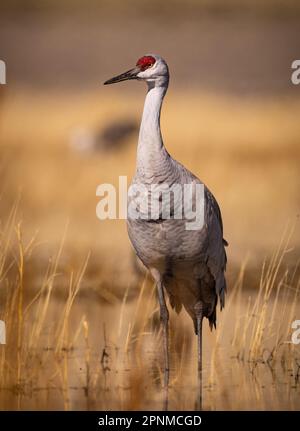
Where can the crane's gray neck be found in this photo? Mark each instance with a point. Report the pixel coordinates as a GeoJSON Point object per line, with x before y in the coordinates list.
{"type": "Point", "coordinates": [151, 150]}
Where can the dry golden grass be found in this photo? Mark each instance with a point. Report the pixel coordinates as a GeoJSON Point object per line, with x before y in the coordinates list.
{"type": "Point", "coordinates": [69, 352]}
{"type": "Point", "coordinates": [85, 328]}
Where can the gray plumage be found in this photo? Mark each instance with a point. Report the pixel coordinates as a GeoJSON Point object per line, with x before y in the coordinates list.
{"type": "Point", "coordinates": [188, 264]}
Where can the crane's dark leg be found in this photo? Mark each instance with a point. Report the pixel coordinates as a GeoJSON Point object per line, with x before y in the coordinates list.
{"type": "Point", "coordinates": [199, 319]}
{"type": "Point", "coordinates": [164, 316]}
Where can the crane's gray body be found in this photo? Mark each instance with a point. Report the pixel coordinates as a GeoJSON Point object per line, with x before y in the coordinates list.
{"type": "Point", "coordinates": [189, 263]}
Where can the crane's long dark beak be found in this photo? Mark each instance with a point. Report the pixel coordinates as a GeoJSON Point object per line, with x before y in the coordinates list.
{"type": "Point", "coordinates": [130, 74]}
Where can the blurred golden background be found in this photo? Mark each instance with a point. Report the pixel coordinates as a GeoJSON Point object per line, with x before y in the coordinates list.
{"type": "Point", "coordinates": [231, 116]}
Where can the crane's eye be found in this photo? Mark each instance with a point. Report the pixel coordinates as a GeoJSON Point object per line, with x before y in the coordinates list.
{"type": "Point", "coordinates": [146, 62]}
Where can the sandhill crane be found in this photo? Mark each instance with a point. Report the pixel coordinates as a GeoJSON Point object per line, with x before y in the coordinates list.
{"type": "Point", "coordinates": [188, 264]}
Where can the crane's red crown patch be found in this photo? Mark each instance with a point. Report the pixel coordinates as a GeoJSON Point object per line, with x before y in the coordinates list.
{"type": "Point", "coordinates": [145, 62]}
